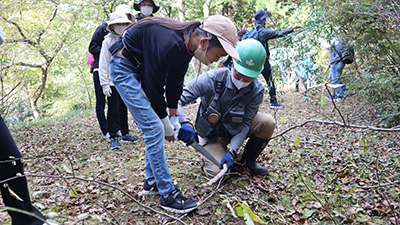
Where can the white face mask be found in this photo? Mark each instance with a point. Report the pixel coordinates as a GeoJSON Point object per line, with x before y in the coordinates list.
{"type": "Point", "coordinates": [119, 29]}
{"type": "Point", "coordinates": [201, 55]}
{"type": "Point", "coordinates": [146, 10]}
{"type": "Point", "coordinates": [239, 84]}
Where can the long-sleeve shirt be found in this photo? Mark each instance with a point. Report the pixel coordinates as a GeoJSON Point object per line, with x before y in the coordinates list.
{"type": "Point", "coordinates": [335, 48]}
{"type": "Point", "coordinates": [105, 56]}
{"type": "Point", "coordinates": [229, 100]}
{"type": "Point", "coordinates": [96, 42]}
{"type": "Point", "coordinates": [164, 60]}
{"type": "Point", "coordinates": [264, 35]}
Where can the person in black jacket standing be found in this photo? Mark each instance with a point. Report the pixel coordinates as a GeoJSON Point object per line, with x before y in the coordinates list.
{"type": "Point", "coordinates": [151, 59]}
{"type": "Point", "coordinates": [264, 35]}
{"type": "Point", "coordinates": [94, 49]}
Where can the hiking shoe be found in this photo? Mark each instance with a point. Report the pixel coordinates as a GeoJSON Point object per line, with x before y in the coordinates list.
{"type": "Point", "coordinates": [107, 137]}
{"type": "Point", "coordinates": [337, 99]}
{"type": "Point", "coordinates": [176, 202]}
{"type": "Point", "coordinates": [275, 105]}
{"type": "Point", "coordinates": [128, 138]}
{"type": "Point", "coordinates": [152, 189]}
{"type": "Point", "coordinates": [114, 143]}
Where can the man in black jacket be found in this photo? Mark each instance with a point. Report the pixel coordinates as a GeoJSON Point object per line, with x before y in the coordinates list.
{"type": "Point", "coordinates": [264, 35]}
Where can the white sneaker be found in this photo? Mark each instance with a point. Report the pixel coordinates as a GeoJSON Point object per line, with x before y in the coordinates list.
{"type": "Point", "coordinates": [119, 133]}
{"type": "Point", "coordinates": [107, 137]}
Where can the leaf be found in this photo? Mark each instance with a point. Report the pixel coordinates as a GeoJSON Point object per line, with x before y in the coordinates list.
{"type": "Point", "coordinates": [363, 218]}
{"type": "Point", "coordinates": [138, 154]}
{"type": "Point", "coordinates": [317, 205]}
{"type": "Point", "coordinates": [239, 211]}
{"type": "Point", "coordinates": [307, 213]}
{"type": "Point", "coordinates": [248, 219]}
{"type": "Point", "coordinates": [252, 215]}
{"type": "Point", "coordinates": [296, 142]}
{"type": "Point", "coordinates": [322, 100]}
{"type": "Point", "coordinates": [12, 193]}
{"type": "Point", "coordinates": [66, 168]}
{"type": "Point", "coordinates": [230, 207]}
{"type": "Point", "coordinates": [283, 118]}
{"type": "Point", "coordinates": [364, 143]}
{"type": "Point", "coordinates": [72, 192]}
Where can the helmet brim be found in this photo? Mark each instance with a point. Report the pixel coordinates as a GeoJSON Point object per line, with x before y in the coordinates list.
{"type": "Point", "coordinates": [246, 71]}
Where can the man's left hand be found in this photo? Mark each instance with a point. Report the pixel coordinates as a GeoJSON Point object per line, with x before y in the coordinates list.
{"type": "Point", "coordinates": [187, 132]}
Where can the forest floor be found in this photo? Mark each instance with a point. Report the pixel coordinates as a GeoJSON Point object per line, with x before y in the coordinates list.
{"type": "Point", "coordinates": [326, 167]}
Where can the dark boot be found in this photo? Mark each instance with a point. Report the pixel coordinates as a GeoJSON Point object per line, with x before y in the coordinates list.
{"type": "Point", "coordinates": [252, 150]}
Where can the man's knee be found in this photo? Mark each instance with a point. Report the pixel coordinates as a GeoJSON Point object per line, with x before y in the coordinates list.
{"type": "Point", "coordinates": [263, 125]}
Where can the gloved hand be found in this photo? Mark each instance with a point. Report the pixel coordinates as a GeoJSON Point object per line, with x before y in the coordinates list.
{"type": "Point", "coordinates": [107, 91]}
{"type": "Point", "coordinates": [168, 128]}
{"type": "Point", "coordinates": [187, 132]}
{"type": "Point", "coordinates": [174, 120]}
{"type": "Point", "coordinates": [228, 159]}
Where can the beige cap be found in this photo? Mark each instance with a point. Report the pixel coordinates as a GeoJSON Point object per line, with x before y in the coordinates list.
{"type": "Point", "coordinates": [224, 29]}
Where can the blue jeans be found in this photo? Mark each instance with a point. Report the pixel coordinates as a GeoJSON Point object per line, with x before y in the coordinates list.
{"type": "Point", "coordinates": [127, 80]}
{"type": "Point", "coordinates": [334, 77]}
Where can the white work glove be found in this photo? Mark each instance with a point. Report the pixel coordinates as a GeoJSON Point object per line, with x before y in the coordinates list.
{"type": "Point", "coordinates": [168, 128]}
{"type": "Point", "coordinates": [107, 91]}
{"type": "Point", "coordinates": [174, 120]}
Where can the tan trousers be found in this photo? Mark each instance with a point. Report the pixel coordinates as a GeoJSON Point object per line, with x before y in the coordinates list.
{"type": "Point", "coordinates": [262, 126]}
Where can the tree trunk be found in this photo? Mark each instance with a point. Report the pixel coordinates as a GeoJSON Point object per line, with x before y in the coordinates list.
{"type": "Point", "coordinates": [181, 12]}
{"type": "Point", "coordinates": [39, 91]}
{"type": "Point", "coordinates": [206, 8]}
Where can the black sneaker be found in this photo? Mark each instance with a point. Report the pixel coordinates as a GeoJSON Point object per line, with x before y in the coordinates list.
{"type": "Point", "coordinates": [177, 203]}
{"type": "Point", "coordinates": [152, 189]}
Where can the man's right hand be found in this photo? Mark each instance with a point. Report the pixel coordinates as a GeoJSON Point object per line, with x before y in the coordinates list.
{"type": "Point", "coordinates": [107, 91]}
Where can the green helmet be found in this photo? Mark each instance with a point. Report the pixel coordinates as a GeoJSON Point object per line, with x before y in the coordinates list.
{"type": "Point", "coordinates": [252, 54]}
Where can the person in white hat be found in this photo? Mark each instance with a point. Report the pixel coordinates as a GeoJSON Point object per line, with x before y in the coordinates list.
{"type": "Point", "coordinates": [117, 116]}
{"type": "Point", "coordinates": [94, 49]}
{"type": "Point", "coordinates": [151, 59]}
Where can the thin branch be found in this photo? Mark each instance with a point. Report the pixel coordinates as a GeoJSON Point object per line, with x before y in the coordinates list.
{"type": "Point", "coordinates": [395, 129]}
{"type": "Point", "coordinates": [108, 185]}
{"type": "Point", "coordinates": [379, 185]}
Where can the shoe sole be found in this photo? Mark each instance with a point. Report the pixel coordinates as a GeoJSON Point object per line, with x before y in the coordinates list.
{"type": "Point", "coordinates": [114, 147]}
{"type": "Point", "coordinates": [145, 192]}
{"type": "Point", "coordinates": [275, 107]}
{"type": "Point", "coordinates": [181, 211]}
{"type": "Point", "coordinates": [122, 141]}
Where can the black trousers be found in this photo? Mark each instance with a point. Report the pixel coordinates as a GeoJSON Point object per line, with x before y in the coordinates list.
{"type": "Point", "coordinates": [117, 116]}
{"type": "Point", "coordinates": [270, 81]}
{"type": "Point", "coordinates": [100, 103]}
{"type": "Point", "coordinates": [8, 169]}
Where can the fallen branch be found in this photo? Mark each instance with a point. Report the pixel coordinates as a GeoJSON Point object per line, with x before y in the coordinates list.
{"type": "Point", "coordinates": [396, 129]}
{"type": "Point", "coordinates": [379, 185]}
{"type": "Point", "coordinates": [218, 176]}
{"type": "Point", "coordinates": [112, 186]}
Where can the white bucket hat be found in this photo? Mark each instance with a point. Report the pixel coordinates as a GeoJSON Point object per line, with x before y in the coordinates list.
{"type": "Point", "coordinates": [124, 8]}
{"type": "Point", "coordinates": [118, 17]}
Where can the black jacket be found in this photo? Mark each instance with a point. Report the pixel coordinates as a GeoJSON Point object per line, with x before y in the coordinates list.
{"type": "Point", "coordinates": [163, 58]}
{"type": "Point", "coordinates": [95, 43]}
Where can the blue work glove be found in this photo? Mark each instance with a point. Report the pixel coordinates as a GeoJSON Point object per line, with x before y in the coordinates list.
{"type": "Point", "coordinates": [187, 132]}
{"type": "Point", "coordinates": [228, 159]}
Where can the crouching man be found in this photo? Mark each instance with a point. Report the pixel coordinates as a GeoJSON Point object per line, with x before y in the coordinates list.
{"type": "Point", "coordinates": [228, 112]}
